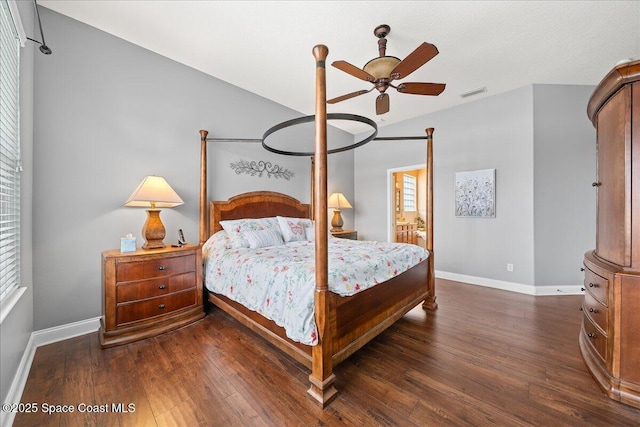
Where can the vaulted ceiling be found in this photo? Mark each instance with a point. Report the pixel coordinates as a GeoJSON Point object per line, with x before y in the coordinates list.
{"type": "Point", "coordinates": [265, 46]}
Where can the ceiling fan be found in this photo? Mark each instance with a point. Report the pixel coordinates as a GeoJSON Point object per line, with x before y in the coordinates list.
{"type": "Point", "coordinates": [382, 71]}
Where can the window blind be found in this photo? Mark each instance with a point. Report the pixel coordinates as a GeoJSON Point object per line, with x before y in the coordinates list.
{"type": "Point", "coordinates": [10, 166]}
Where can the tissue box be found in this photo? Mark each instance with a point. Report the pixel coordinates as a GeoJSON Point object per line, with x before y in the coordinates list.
{"type": "Point", "coordinates": [127, 244]}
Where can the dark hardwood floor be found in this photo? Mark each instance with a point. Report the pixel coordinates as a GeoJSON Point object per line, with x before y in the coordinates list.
{"type": "Point", "coordinates": [485, 357]}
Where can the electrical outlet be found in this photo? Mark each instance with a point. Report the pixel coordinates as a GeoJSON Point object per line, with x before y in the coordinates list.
{"type": "Point", "coordinates": [509, 267]}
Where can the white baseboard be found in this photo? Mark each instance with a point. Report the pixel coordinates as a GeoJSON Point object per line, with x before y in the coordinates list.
{"type": "Point", "coordinates": [19, 381]}
{"type": "Point", "coordinates": [38, 338]}
{"type": "Point", "coordinates": [64, 332]}
{"type": "Point", "coordinates": [511, 286]}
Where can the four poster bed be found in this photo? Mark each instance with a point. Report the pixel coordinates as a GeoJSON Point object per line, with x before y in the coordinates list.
{"type": "Point", "coordinates": [342, 324]}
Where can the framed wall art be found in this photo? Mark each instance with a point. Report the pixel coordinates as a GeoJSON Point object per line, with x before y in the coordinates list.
{"type": "Point", "coordinates": [475, 194]}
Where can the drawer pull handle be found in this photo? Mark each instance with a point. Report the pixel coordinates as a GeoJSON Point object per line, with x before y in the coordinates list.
{"type": "Point", "coordinates": [161, 306]}
{"type": "Point", "coordinates": [591, 335]}
{"type": "Point", "coordinates": [593, 285]}
{"type": "Point", "coordinates": [161, 287]}
{"type": "Point", "coordinates": [596, 184]}
{"type": "Point", "coordinates": [582, 289]}
{"type": "Point", "coordinates": [593, 310]}
{"type": "Point", "coordinates": [162, 267]}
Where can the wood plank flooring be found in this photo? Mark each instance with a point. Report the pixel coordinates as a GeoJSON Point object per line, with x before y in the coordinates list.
{"type": "Point", "coordinates": [485, 357]}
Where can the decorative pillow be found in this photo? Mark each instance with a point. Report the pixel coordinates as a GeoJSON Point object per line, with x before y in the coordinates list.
{"type": "Point", "coordinates": [293, 228]}
{"type": "Point", "coordinates": [236, 229]}
{"type": "Point", "coordinates": [263, 238]}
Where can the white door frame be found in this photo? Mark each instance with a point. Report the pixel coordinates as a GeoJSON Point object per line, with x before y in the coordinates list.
{"type": "Point", "coordinates": [391, 211]}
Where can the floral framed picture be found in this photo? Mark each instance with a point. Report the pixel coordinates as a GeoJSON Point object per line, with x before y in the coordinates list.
{"type": "Point", "coordinates": [475, 194]}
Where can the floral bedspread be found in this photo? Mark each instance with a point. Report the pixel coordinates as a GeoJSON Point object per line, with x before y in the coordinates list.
{"type": "Point", "coordinates": [279, 281]}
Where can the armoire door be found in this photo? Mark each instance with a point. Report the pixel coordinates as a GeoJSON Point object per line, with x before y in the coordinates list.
{"type": "Point", "coordinates": [613, 239]}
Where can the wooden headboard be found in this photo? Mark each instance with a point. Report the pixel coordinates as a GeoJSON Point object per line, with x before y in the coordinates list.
{"type": "Point", "coordinates": [256, 204]}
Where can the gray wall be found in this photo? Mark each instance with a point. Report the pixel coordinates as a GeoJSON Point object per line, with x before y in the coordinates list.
{"type": "Point", "coordinates": [16, 328]}
{"type": "Point", "coordinates": [540, 160]}
{"type": "Point", "coordinates": [564, 168]}
{"type": "Point", "coordinates": [107, 114]}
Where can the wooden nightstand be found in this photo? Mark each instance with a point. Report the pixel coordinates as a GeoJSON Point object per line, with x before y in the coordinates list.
{"type": "Point", "coordinates": [346, 234]}
{"type": "Point", "coordinates": [149, 292]}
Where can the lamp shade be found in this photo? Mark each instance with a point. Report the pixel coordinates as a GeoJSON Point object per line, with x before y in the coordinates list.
{"type": "Point", "coordinates": [154, 192]}
{"type": "Point", "coordinates": [338, 201]}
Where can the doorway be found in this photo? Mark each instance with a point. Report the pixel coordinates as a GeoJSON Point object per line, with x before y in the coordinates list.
{"type": "Point", "coordinates": [406, 197]}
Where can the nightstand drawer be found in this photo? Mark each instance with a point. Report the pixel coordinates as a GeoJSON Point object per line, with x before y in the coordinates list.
{"type": "Point", "coordinates": [129, 270]}
{"type": "Point", "coordinates": [132, 291]}
{"type": "Point", "coordinates": [130, 312]}
{"type": "Point", "coordinates": [597, 285]}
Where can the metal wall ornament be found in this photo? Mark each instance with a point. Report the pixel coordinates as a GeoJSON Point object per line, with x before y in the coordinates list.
{"type": "Point", "coordinates": [261, 168]}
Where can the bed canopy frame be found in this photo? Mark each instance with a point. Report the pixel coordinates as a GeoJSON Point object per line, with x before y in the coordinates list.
{"type": "Point", "coordinates": [344, 324]}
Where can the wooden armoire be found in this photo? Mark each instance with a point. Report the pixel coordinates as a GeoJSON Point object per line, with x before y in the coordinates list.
{"type": "Point", "coordinates": [610, 335]}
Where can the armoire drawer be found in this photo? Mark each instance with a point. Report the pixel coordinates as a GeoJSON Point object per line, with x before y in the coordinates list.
{"type": "Point", "coordinates": [595, 310]}
{"type": "Point", "coordinates": [597, 285]}
{"type": "Point", "coordinates": [595, 336]}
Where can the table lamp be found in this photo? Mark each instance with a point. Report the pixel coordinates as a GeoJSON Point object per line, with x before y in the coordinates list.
{"type": "Point", "coordinates": [337, 201]}
{"type": "Point", "coordinates": [153, 192]}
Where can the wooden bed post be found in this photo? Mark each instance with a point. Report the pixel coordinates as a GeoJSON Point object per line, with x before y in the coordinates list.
{"type": "Point", "coordinates": [313, 185]}
{"type": "Point", "coordinates": [322, 377]}
{"type": "Point", "coordinates": [203, 227]}
{"type": "Point", "coordinates": [430, 301]}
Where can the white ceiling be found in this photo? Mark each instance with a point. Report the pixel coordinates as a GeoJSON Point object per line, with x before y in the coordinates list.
{"type": "Point", "coordinates": [265, 46]}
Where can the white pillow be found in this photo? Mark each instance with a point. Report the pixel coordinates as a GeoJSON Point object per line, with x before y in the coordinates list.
{"type": "Point", "coordinates": [263, 238]}
{"type": "Point", "coordinates": [236, 229]}
{"type": "Point", "coordinates": [216, 243]}
{"type": "Point", "coordinates": [310, 233]}
{"type": "Point", "coordinates": [293, 228]}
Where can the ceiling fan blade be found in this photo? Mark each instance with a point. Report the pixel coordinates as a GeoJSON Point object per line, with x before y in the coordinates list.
{"type": "Point", "coordinates": [382, 104]}
{"type": "Point", "coordinates": [353, 70]}
{"type": "Point", "coordinates": [348, 96]}
{"type": "Point", "coordinates": [421, 88]}
{"type": "Point", "coordinates": [415, 60]}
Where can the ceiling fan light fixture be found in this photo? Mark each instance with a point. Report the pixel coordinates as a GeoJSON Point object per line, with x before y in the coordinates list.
{"type": "Point", "coordinates": [384, 70]}
{"type": "Point", "coordinates": [381, 67]}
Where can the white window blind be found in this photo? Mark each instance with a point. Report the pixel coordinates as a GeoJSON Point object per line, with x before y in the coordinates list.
{"type": "Point", "coordinates": [409, 193]}
{"type": "Point", "coordinates": [9, 153]}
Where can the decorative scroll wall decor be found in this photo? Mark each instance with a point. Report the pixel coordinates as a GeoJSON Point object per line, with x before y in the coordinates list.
{"type": "Point", "coordinates": [260, 169]}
